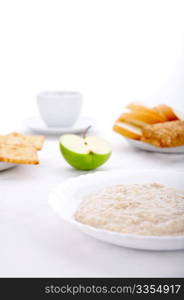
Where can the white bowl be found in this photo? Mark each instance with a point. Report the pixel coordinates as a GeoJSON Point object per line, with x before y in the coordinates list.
{"type": "Point", "coordinates": [65, 199]}
{"type": "Point", "coordinates": [59, 109]}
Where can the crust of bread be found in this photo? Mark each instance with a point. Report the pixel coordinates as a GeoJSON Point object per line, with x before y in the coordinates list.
{"type": "Point", "coordinates": [167, 111]}
{"type": "Point", "coordinates": [126, 132]}
{"type": "Point", "coordinates": [137, 107]}
{"type": "Point", "coordinates": [140, 118]}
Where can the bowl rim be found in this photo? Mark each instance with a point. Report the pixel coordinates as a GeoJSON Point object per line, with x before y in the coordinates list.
{"type": "Point", "coordinates": [71, 220]}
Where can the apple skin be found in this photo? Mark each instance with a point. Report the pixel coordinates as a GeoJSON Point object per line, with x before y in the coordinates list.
{"type": "Point", "coordinates": [85, 162]}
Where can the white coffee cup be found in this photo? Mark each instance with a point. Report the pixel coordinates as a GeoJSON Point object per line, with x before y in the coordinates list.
{"type": "Point", "coordinates": [59, 109]}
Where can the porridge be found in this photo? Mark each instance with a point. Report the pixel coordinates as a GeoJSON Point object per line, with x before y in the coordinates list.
{"type": "Point", "coordinates": [144, 209]}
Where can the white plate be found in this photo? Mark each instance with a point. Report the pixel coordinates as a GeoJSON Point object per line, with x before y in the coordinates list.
{"type": "Point", "coordinates": [38, 125]}
{"type": "Point", "coordinates": [148, 147]}
{"type": "Point", "coordinates": [5, 166]}
{"type": "Point", "coordinates": [65, 199]}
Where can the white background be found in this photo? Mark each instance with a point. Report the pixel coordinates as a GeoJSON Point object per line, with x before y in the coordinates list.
{"type": "Point", "coordinates": [114, 52]}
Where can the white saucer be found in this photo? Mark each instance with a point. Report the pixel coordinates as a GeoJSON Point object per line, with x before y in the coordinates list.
{"type": "Point", "coordinates": [66, 197]}
{"type": "Point", "coordinates": [5, 166]}
{"type": "Point", "coordinates": [148, 147]}
{"type": "Point", "coordinates": [36, 124]}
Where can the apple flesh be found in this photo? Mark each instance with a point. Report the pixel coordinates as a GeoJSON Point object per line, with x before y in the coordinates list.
{"type": "Point", "coordinates": [84, 153]}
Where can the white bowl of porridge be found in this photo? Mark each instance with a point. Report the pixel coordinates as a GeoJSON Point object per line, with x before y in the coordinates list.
{"type": "Point", "coordinates": [142, 209]}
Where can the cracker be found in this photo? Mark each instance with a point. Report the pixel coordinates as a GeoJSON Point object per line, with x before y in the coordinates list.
{"type": "Point", "coordinates": [17, 139]}
{"type": "Point", "coordinates": [19, 154]}
{"type": "Point", "coordinates": [168, 134]}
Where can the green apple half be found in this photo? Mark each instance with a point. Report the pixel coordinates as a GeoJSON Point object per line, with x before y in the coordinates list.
{"type": "Point", "coordinates": [84, 153]}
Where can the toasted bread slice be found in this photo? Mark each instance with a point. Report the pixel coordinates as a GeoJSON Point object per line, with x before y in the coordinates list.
{"type": "Point", "coordinates": [167, 111]}
{"type": "Point", "coordinates": [128, 130]}
{"type": "Point", "coordinates": [140, 119]}
{"type": "Point", "coordinates": [138, 107]}
{"type": "Point", "coordinates": [19, 154]}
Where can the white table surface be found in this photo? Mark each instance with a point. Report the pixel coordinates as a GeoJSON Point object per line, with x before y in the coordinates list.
{"type": "Point", "coordinates": [36, 242]}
